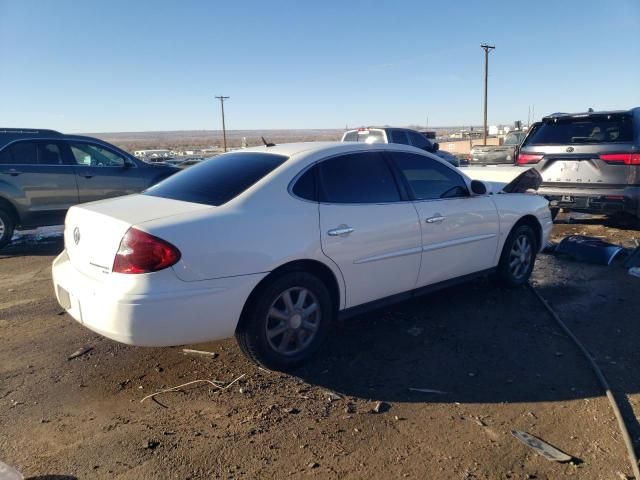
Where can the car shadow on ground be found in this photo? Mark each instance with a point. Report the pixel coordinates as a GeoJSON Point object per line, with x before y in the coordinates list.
{"type": "Point", "coordinates": [33, 246]}
{"type": "Point", "coordinates": [475, 343]}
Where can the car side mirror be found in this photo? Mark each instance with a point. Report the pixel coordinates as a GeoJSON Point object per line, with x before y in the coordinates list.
{"type": "Point", "coordinates": [478, 187]}
{"type": "Point", "coordinates": [436, 146]}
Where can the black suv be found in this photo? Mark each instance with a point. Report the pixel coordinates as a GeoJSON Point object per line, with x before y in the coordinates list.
{"type": "Point", "coordinates": [590, 162]}
{"type": "Point", "coordinates": [44, 172]}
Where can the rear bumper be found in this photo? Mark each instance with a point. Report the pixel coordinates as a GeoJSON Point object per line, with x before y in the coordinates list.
{"type": "Point", "coordinates": [192, 312]}
{"type": "Point", "coordinates": [594, 200]}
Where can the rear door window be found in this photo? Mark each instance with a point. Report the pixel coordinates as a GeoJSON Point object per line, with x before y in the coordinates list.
{"type": "Point", "coordinates": [418, 140]}
{"type": "Point", "coordinates": [357, 178]}
{"type": "Point", "coordinates": [33, 153]}
{"type": "Point", "coordinates": [399, 136]}
{"type": "Point", "coordinates": [218, 179]}
{"type": "Point", "coordinates": [428, 179]}
{"type": "Point", "coordinates": [587, 130]}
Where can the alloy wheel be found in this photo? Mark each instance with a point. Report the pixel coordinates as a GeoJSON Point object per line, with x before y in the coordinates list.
{"type": "Point", "coordinates": [520, 256]}
{"type": "Point", "coordinates": [293, 321]}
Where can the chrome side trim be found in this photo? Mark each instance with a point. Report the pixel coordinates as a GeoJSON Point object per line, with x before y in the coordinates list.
{"type": "Point", "coordinates": [385, 256]}
{"type": "Point", "coordinates": [457, 241]}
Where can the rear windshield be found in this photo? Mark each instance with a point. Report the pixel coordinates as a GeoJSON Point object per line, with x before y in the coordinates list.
{"type": "Point", "coordinates": [365, 136]}
{"type": "Point", "coordinates": [609, 129]}
{"type": "Point", "coordinates": [219, 179]}
{"type": "Point", "coordinates": [513, 139]}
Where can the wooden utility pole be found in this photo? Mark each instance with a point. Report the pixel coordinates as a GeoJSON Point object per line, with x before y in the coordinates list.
{"type": "Point", "coordinates": [224, 130]}
{"type": "Point", "coordinates": [487, 49]}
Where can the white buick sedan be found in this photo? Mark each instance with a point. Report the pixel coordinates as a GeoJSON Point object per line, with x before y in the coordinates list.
{"type": "Point", "coordinates": [273, 244]}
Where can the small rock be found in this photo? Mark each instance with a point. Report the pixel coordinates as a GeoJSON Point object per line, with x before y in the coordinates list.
{"type": "Point", "coordinates": [332, 396]}
{"type": "Point", "coordinates": [292, 411]}
{"type": "Point", "coordinates": [381, 407]}
{"type": "Point", "coordinates": [350, 408]}
{"type": "Point", "coordinates": [313, 465]}
{"type": "Point", "coordinates": [151, 444]}
{"type": "Point", "coordinates": [44, 420]}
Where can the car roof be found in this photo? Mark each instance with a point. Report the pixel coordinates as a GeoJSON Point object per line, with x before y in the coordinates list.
{"type": "Point", "coordinates": [599, 113]}
{"type": "Point", "coordinates": [294, 150]}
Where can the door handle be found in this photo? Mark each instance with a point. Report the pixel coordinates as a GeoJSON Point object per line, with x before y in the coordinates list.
{"type": "Point", "coordinates": [436, 219]}
{"type": "Point", "coordinates": [13, 172]}
{"type": "Point", "coordinates": [86, 175]}
{"type": "Point", "coordinates": [341, 230]}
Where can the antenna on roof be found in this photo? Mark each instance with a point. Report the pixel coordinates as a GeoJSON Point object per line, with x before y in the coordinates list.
{"type": "Point", "coordinates": [267, 144]}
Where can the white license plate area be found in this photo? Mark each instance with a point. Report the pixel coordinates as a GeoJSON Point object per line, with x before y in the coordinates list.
{"type": "Point", "coordinates": [70, 303]}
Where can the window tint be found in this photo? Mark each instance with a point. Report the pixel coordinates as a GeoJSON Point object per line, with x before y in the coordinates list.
{"type": "Point", "coordinates": [49, 154]}
{"type": "Point", "coordinates": [305, 187]}
{"type": "Point", "coordinates": [419, 140]}
{"type": "Point", "coordinates": [428, 178]}
{"type": "Point", "coordinates": [357, 178]}
{"type": "Point", "coordinates": [219, 179]}
{"type": "Point", "coordinates": [32, 153]}
{"type": "Point", "coordinates": [21, 153]}
{"type": "Point", "coordinates": [399, 136]}
{"type": "Point", "coordinates": [92, 155]}
{"type": "Point", "coordinates": [566, 131]}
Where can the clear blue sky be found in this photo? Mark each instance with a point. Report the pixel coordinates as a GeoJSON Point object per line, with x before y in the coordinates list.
{"type": "Point", "coordinates": [121, 65]}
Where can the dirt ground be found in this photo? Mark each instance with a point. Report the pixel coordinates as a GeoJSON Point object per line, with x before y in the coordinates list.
{"type": "Point", "coordinates": [496, 355]}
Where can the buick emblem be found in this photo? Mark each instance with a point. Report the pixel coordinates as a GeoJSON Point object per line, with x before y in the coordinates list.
{"type": "Point", "coordinates": [76, 235]}
{"type": "Point", "coordinates": [569, 149]}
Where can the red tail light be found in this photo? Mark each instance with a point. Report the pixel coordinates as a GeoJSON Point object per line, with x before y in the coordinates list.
{"type": "Point", "coordinates": [621, 158]}
{"type": "Point", "coordinates": [528, 158]}
{"type": "Point", "coordinates": [141, 252]}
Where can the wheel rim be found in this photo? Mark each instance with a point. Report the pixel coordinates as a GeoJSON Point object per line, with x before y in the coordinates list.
{"type": "Point", "coordinates": [2, 228]}
{"type": "Point", "coordinates": [292, 321]}
{"type": "Point", "coordinates": [520, 256]}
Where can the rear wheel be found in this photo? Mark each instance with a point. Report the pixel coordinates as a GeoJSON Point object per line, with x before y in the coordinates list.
{"type": "Point", "coordinates": [518, 256]}
{"type": "Point", "coordinates": [6, 228]}
{"type": "Point", "coordinates": [286, 321]}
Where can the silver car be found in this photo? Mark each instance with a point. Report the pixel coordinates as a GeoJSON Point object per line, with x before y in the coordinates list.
{"type": "Point", "coordinates": [589, 162]}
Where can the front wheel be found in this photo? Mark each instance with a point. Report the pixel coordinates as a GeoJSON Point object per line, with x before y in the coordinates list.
{"type": "Point", "coordinates": [286, 321]}
{"type": "Point", "coordinates": [6, 228]}
{"type": "Point", "coordinates": [518, 256]}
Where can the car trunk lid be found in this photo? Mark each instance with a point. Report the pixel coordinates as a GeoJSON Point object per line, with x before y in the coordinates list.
{"type": "Point", "coordinates": [93, 231]}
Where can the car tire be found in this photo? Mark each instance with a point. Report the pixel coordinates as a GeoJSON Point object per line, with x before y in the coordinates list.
{"type": "Point", "coordinates": [6, 227]}
{"type": "Point", "coordinates": [518, 256]}
{"type": "Point", "coordinates": [286, 321]}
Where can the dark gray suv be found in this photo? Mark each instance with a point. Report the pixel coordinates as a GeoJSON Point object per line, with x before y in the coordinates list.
{"type": "Point", "coordinates": [590, 162]}
{"type": "Point", "coordinates": [44, 172]}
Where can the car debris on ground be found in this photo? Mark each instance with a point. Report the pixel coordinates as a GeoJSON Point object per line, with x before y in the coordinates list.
{"type": "Point", "coordinates": [199, 352]}
{"type": "Point", "coordinates": [588, 249]}
{"type": "Point", "coordinates": [79, 352]}
{"type": "Point", "coordinates": [543, 448]}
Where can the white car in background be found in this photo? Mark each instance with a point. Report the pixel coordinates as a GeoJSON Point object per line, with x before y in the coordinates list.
{"type": "Point", "coordinates": [272, 244]}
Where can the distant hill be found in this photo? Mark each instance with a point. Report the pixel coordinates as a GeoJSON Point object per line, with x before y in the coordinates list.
{"type": "Point", "coordinates": [183, 139]}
